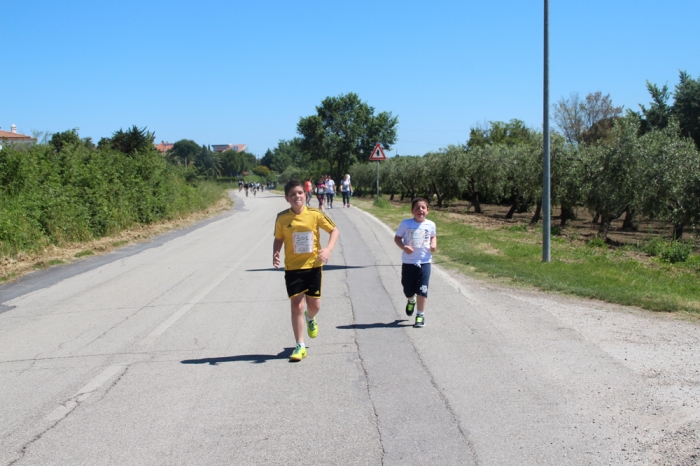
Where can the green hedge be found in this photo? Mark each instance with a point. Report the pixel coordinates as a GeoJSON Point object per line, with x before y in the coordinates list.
{"type": "Point", "coordinates": [78, 193]}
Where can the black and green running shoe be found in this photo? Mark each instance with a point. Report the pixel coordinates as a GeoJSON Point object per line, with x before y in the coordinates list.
{"type": "Point", "coordinates": [410, 307]}
{"type": "Point", "coordinates": [420, 321]}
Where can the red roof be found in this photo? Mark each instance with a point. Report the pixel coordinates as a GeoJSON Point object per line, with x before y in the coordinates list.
{"type": "Point", "coordinates": [14, 136]}
{"type": "Point", "coordinates": [164, 146]}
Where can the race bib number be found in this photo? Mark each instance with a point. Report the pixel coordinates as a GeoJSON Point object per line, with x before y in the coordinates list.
{"type": "Point", "coordinates": [303, 242]}
{"type": "Point", "coordinates": [418, 238]}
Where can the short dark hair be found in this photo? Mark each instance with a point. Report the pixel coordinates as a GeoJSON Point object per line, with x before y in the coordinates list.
{"type": "Point", "coordinates": [293, 183]}
{"type": "Point", "coordinates": [419, 199]}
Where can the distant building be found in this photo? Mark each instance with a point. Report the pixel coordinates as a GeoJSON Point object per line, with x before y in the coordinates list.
{"type": "Point", "coordinates": [164, 147]}
{"type": "Point", "coordinates": [225, 147]}
{"type": "Point", "coordinates": [15, 138]}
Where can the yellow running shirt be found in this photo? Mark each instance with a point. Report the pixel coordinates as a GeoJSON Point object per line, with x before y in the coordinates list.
{"type": "Point", "coordinates": [301, 236]}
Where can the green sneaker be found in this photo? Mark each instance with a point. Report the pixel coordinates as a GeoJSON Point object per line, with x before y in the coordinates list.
{"type": "Point", "coordinates": [311, 325]}
{"type": "Point", "coordinates": [410, 307]}
{"type": "Point", "coordinates": [420, 321]}
{"type": "Point", "coordinates": [298, 354]}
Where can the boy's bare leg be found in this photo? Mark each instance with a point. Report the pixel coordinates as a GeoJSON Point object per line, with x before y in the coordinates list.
{"type": "Point", "coordinates": [422, 303]}
{"type": "Point", "coordinates": [314, 305]}
{"type": "Point", "coordinates": [298, 321]}
{"type": "Point", "coordinates": [299, 304]}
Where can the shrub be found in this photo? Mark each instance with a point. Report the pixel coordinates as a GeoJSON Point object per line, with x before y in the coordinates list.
{"type": "Point", "coordinates": [381, 203]}
{"type": "Point", "coordinates": [676, 251]}
{"type": "Point", "coordinates": [597, 243]}
{"type": "Point", "coordinates": [50, 196]}
{"type": "Point", "coordinates": [654, 246]}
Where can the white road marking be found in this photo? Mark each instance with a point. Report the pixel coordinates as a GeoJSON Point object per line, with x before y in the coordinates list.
{"type": "Point", "coordinates": [81, 395]}
{"type": "Point", "coordinates": [182, 310]}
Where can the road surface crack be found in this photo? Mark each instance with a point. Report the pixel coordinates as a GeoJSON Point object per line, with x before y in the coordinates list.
{"type": "Point", "coordinates": [67, 408]}
{"type": "Point", "coordinates": [463, 432]}
{"type": "Point", "coordinates": [366, 374]}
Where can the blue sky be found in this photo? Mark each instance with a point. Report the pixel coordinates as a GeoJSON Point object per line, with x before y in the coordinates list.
{"type": "Point", "coordinates": [245, 71]}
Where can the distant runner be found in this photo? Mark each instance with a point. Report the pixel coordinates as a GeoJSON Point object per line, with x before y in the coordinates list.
{"type": "Point", "coordinates": [346, 190]}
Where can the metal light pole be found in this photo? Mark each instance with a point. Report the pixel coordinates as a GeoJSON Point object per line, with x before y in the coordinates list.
{"type": "Point", "coordinates": [546, 192]}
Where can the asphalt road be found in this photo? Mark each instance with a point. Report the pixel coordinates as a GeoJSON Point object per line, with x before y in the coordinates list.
{"type": "Point", "coordinates": [176, 353]}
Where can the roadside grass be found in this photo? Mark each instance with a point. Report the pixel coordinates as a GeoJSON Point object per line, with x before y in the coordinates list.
{"type": "Point", "coordinates": [514, 253]}
{"type": "Point", "coordinates": [47, 264]}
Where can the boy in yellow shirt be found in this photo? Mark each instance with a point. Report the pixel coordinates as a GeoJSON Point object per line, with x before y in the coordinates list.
{"type": "Point", "coordinates": [298, 230]}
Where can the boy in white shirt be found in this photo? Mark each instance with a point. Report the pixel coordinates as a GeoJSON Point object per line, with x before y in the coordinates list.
{"type": "Point", "coordinates": [417, 239]}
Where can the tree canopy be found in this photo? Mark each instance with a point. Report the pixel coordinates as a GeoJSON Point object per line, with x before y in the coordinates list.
{"type": "Point", "coordinates": [344, 130]}
{"type": "Point", "coordinates": [685, 108]}
{"type": "Point", "coordinates": [576, 117]}
{"type": "Point", "coordinates": [130, 141]}
{"type": "Point", "coordinates": [237, 162]}
{"type": "Point", "coordinates": [184, 152]}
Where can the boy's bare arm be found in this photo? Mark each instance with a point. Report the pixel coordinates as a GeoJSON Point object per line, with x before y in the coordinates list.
{"type": "Point", "coordinates": [399, 242]}
{"type": "Point", "coordinates": [433, 244]}
{"type": "Point", "coordinates": [276, 248]}
{"type": "Point", "coordinates": [325, 253]}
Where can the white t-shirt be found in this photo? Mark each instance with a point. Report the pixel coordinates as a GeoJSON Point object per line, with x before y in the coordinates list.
{"type": "Point", "coordinates": [417, 235]}
{"type": "Point", "coordinates": [330, 186]}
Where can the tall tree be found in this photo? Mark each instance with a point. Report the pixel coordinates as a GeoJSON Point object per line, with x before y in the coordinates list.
{"type": "Point", "coordinates": [268, 159]}
{"type": "Point", "coordinates": [575, 116]}
{"type": "Point", "coordinates": [344, 130]}
{"type": "Point", "coordinates": [236, 162]}
{"type": "Point", "coordinates": [685, 108]}
{"type": "Point", "coordinates": [659, 112]}
{"type": "Point", "coordinates": [184, 152]}
{"type": "Point", "coordinates": [289, 153]}
{"type": "Point", "coordinates": [132, 140]}
{"type": "Point", "coordinates": [208, 163]}
{"type": "Point", "coordinates": [66, 138]}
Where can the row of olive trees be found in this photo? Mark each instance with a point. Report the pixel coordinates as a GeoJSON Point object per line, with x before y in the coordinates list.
{"type": "Point", "coordinates": [655, 174]}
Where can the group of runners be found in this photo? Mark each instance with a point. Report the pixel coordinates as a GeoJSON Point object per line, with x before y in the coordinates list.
{"type": "Point", "coordinates": [252, 186]}
{"type": "Point", "coordinates": [297, 230]}
{"type": "Point", "coordinates": [325, 191]}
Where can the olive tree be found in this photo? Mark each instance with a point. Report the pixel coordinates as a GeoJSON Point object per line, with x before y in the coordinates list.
{"type": "Point", "coordinates": [668, 177]}
{"type": "Point", "coordinates": [610, 172]}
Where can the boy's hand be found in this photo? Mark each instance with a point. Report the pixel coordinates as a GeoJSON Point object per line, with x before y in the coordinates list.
{"type": "Point", "coordinates": [276, 260]}
{"type": "Point", "coordinates": [324, 254]}
{"type": "Point", "coordinates": [408, 249]}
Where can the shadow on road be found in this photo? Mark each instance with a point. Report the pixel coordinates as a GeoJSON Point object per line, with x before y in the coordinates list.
{"type": "Point", "coordinates": [254, 358]}
{"type": "Point", "coordinates": [394, 324]}
{"type": "Point", "coordinates": [325, 268]}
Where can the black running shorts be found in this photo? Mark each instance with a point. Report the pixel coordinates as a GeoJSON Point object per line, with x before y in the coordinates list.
{"type": "Point", "coordinates": [415, 279]}
{"type": "Point", "coordinates": [307, 281]}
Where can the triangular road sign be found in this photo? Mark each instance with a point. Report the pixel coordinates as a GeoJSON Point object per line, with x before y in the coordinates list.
{"type": "Point", "coordinates": [377, 153]}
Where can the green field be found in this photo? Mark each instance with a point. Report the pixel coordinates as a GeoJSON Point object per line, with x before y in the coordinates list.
{"type": "Point", "coordinates": [514, 254]}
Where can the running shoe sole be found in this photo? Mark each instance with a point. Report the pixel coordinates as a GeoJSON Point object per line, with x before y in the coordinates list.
{"type": "Point", "coordinates": [298, 354]}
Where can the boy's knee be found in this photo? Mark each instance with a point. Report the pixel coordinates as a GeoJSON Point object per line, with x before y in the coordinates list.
{"type": "Point", "coordinates": [313, 303]}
